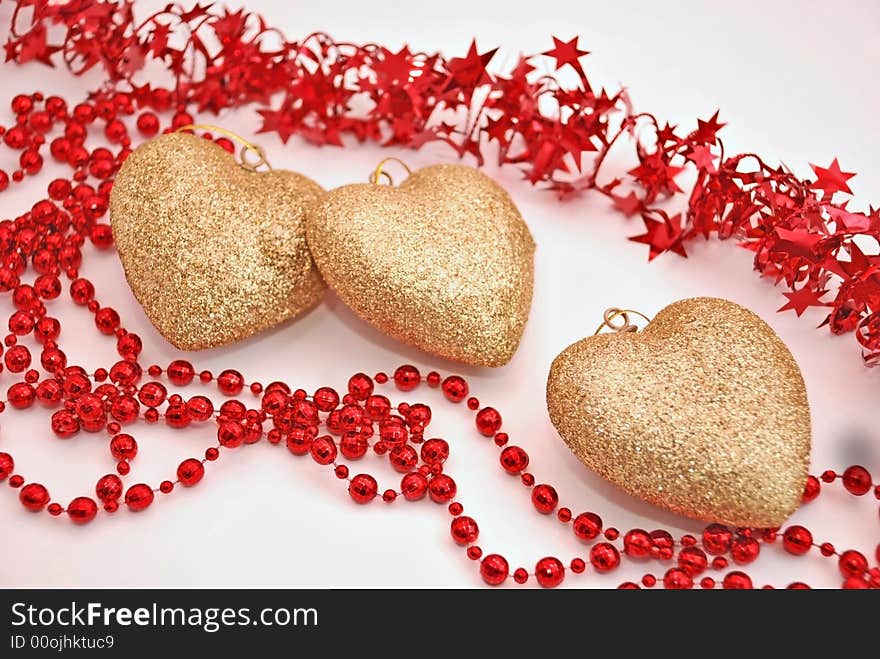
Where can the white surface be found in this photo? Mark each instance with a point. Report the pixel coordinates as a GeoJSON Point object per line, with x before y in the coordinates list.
{"type": "Point", "coordinates": [793, 79]}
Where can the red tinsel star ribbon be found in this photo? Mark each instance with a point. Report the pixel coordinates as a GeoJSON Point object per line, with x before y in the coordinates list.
{"type": "Point", "coordinates": [557, 134]}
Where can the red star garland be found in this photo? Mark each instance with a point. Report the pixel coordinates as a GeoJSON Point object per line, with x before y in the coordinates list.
{"type": "Point", "coordinates": [557, 135]}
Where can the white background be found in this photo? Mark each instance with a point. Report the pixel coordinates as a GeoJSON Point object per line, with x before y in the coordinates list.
{"type": "Point", "coordinates": [795, 82]}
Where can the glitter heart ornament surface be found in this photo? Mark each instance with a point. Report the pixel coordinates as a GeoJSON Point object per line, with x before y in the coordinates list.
{"type": "Point", "coordinates": [443, 262]}
{"type": "Point", "coordinates": [704, 412]}
{"type": "Point", "coordinates": [213, 251]}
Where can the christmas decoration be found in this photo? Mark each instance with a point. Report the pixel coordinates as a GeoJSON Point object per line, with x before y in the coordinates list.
{"type": "Point", "coordinates": [703, 412]}
{"type": "Point", "coordinates": [42, 244]}
{"type": "Point", "coordinates": [444, 261]}
{"type": "Point", "coordinates": [804, 233]}
{"type": "Point", "coordinates": [213, 250]}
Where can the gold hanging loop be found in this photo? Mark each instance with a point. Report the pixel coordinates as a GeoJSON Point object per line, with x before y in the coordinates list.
{"type": "Point", "coordinates": [623, 323]}
{"type": "Point", "coordinates": [379, 172]}
{"type": "Point", "coordinates": [247, 147]}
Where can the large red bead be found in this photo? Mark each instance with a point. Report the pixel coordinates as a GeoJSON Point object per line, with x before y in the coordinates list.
{"type": "Point", "coordinates": [123, 447]}
{"type": "Point", "coordinates": [587, 526]}
{"type": "Point", "coordinates": [7, 465]}
{"type": "Point", "coordinates": [744, 550]}
{"type": "Point", "coordinates": [857, 480]}
{"type": "Point", "coordinates": [852, 563]}
{"type": "Point", "coordinates": [323, 450]}
{"type": "Point", "coordinates": [442, 489]}
{"type": "Point", "coordinates": [363, 488]}
{"type": "Point", "coordinates": [139, 497]}
{"type": "Point", "coordinates": [82, 510]}
{"type": "Point", "coordinates": [797, 540]}
{"type": "Point", "coordinates": [434, 450]}
{"type": "Point", "coordinates": [34, 497]}
{"type": "Point", "coordinates": [514, 459]}
{"type": "Point", "coordinates": [407, 377]}
{"type": "Point", "coordinates": [677, 579]}
{"type": "Point", "coordinates": [180, 372]}
{"type": "Point", "coordinates": [360, 385]}
{"type": "Point", "coordinates": [190, 472]}
{"type": "Point", "coordinates": [544, 498]}
{"type": "Point", "coordinates": [604, 557]}
{"type": "Point", "coordinates": [637, 543]}
{"type": "Point", "coordinates": [326, 399]}
{"type": "Point", "coordinates": [231, 434]}
{"type": "Point", "coordinates": [403, 458]}
{"type": "Point", "coordinates": [230, 382]}
{"type": "Point", "coordinates": [494, 569]}
{"type": "Point", "coordinates": [488, 421]}
{"type": "Point", "coordinates": [736, 580]}
{"type": "Point", "coordinates": [717, 539]}
{"type": "Point", "coordinates": [455, 388]}
{"type": "Point", "coordinates": [414, 486]}
{"type": "Point", "coordinates": [109, 488]}
{"type": "Point", "coordinates": [464, 530]}
{"type": "Point", "coordinates": [549, 572]}
{"type": "Point", "coordinates": [693, 560]}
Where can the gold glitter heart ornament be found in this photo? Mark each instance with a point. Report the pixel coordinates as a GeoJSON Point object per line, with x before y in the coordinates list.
{"type": "Point", "coordinates": [443, 262]}
{"type": "Point", "coordinates": [213, 251]}
{"type": "Point", "coordinates": [704, 412]}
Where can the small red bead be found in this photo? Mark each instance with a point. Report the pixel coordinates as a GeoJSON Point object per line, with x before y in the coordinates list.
{"type": "Point", "coordinates": [16, 481]}
{"type": "Point", "coordinates": [389, 496]}
{"type": "Point", "coordinates": [494, 569]}
{"type": "Point", "coordinates": [549, 572]}
{"type": "Point", "coordinates": [797, 540]}
{"type": "Point", "coordinates": [407, 377]}
{"type": "Point", "coordinates": [828, 476]}
{"type": "Point", "coordinates": [211, 454]}
{"type": "Point", "coordinates": [139, 497]}
{"type": "Point", "coordinates": [826, 549]}
{"type": "Point", "coordinates": [455, 388]}
{"type": "Point", "coordinates": [363, 488]}
{"type": "Point", "coordinates": [341, 472]}
{"type": "Point", "coordinates": [649, 581]}
{"type": "Point", "coordinates": [473, 404]}
{"type": "Point", "coordinates": [604, 557]}
{"type": "Point", "coordinates": [564, 515]}
{"type": "Point", "coordinates": [857, 480]}
{"type": "Point", "coordinates": [54, 509]}
{"type": "Point", "coordinates": [433, 379]}
{"type": "Point", "coordinates": [544, 498]}
{"type": "Point", "coordinates": [520, 575]}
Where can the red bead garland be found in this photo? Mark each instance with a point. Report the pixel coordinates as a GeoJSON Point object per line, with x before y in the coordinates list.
{"type": "Point", "coordinates": [50, 236]}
